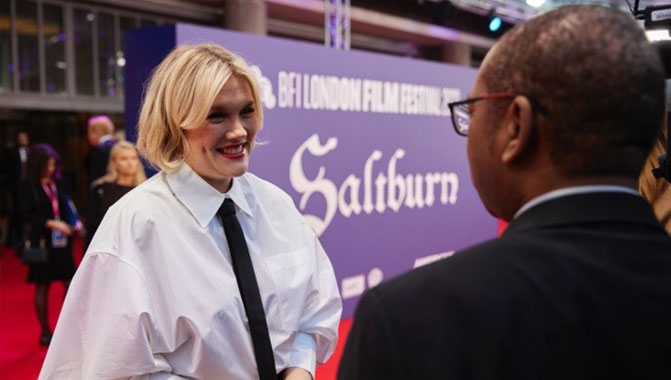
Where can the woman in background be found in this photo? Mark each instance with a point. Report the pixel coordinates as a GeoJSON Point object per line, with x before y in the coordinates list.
{"type": "Point", "coordinates": [44, 209]}
{"type": "Point", "coordinates": [124, 172]}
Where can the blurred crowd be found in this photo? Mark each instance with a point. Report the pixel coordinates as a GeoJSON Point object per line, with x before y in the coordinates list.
{"type": "Point", "coordinates": [43, 220]}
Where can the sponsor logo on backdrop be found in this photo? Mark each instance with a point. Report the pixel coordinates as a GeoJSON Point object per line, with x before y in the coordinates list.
{"type": "Point", "coordinates": [354, 286]}
{"type": "Point", "coordinates": [334, 93]}
{"type": "Point", "coordinates": [266, 86]}
{"type": "Point", "coordinates": [366, 193]}
{"type": "Point", "coordinates": [421, 261]}
{"type": "Point", "coordinates": [330, 92]}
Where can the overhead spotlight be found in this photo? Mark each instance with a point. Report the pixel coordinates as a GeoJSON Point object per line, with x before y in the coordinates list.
{"type": "Point", "coordinates": [535, 3]}
{"type": "Point", "coordinates": [494, 21]}
{"type": "Point", "coordinates": [658, 35]}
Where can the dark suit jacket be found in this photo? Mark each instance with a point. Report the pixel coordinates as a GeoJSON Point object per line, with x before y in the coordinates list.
{"type": "Point", "coordinates": [576, 288]}
{"type": "Point", "coordinates": [97, 160]}
{"type": "Point", "coordinates": [12, 169]}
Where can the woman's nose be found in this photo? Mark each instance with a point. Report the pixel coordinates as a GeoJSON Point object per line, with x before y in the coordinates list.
{"type": "Point", "coordinates": [236, 130]}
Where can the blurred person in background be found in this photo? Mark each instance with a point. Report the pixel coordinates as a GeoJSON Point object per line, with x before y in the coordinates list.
{"type": "Point", "coordinates": [100, 134]}
{"type": "Point", "coordinates": [14, 169]}
{"type": "Point", "coordinates": [657, 191]}
{"type": "Point", "coordinates": [124, 172]}
{"type": "Point", "coordinates": [52, 152]}
{"type": "Point", "coordinates": [45, 203]}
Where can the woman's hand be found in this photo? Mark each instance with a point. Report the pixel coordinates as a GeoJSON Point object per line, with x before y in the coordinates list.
{"type": "Point", "coordinates": [295, 373]}
{"type": "Point", "coordinates": [78, 227]}
{"type": "Point", "coordinates": [59, 225]}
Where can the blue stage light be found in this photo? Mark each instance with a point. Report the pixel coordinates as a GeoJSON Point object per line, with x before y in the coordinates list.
{"type": "Point", "coordinates": [495, 23]}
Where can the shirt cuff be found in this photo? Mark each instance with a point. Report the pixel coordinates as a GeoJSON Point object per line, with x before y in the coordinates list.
{"type": "Point", "coordinates": [303, 353]}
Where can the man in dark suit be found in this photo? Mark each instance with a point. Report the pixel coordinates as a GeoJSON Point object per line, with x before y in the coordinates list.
{"type": "Point", "coordinates": [562, 115]}
{"type": "Point", "coordinates": [100, 133]}
{"type": "Point", "coordinates": [14, 165]}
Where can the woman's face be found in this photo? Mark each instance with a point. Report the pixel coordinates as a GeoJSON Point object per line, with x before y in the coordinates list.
{"type": "Point", "coordinates": [219, 149]}
{"type": "Point", "coordinates": [50, 169]}
{"type": "Point", "coordinates": [126, 162]}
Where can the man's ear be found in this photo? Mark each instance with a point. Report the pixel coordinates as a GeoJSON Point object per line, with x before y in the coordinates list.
{"type": "Point", "coordinates": [518, 129]}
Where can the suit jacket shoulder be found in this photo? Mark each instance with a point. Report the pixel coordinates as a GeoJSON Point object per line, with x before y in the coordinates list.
{"type": "Point", "coordinates": [568, 292]}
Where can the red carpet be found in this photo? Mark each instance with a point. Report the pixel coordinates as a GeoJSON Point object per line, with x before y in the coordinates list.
{"type": "Point", "coordinates": [21, 355]}
{"type": "Point", "coordinates": [329, 369]}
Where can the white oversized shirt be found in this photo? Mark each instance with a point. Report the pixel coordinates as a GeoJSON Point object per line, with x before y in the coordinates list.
{"type": "Point", "coordinates": [156, 297]}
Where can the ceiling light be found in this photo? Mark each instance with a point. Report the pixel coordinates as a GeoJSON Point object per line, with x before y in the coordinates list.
{"type": "Point", "coordinates": [494, 21]}
{"type": "Point", "coordinates": [657, 35]}
{"type": "Point", "coordinates": [535, 3]}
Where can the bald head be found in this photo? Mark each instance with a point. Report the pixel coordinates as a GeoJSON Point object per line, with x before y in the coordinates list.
{"type": "Point", "coordinates": [595, 83]}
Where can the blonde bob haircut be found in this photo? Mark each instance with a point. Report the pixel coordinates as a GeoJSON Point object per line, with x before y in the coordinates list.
{"type": "Point", "coordinates": [112, 173]}
{"type": "Point", "coordinates": [179, 96]}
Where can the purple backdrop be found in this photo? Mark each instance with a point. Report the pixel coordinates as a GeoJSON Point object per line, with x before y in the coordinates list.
{"type": "Point", "coordinates": [338, 126]}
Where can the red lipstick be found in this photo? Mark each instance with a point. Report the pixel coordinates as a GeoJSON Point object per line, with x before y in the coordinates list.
{"type": "Point", "coordinates": [232, 152]}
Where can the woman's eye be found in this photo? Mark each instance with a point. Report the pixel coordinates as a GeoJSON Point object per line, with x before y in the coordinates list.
{"type": "Point", "coordinates": [216, 117]}
{"type": "Point", "coordinates": [249, 110]}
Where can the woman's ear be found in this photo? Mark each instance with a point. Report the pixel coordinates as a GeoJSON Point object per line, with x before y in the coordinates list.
{"type": "Point", "coordinates": [518, 129]}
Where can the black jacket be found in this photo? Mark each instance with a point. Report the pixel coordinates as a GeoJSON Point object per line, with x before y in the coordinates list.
{"type": "Point", "coordinates": [576, 288]}
{"type": "Point", "coordinates": [11, 167]}
{"type": "Point", "coordinates": [38, 210]}
{"type": "Point", "coordinates": [97, 160]}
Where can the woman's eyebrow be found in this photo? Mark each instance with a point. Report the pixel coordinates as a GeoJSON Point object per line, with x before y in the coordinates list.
{"type": "Point", "coordinates": [227, 106]}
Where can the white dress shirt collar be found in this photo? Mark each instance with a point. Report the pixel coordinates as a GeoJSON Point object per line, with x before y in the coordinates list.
{"type": "Point", "coordinates": [200, 198]}
{"type": "Point", "coordinates": [23, 154]}
{"type": "Point", "coordinates": [573, 190]}
{"type": "Point", "coordinates": [105, 139]}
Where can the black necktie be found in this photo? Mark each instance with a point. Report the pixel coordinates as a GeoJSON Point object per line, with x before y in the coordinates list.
{"type": "Point", "coordinates": [249, 290]}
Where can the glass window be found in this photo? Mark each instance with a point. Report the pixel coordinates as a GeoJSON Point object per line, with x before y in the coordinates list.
{"type": "Point", "coordinates": [106, 55]}
{"type": "Point", "coordinates": [26, 30]}
{"type": "Point", "coordinates": [54, 48]}
{"type": "Point", "coordinates": [83, 30]}
{"type": "Point", "coordinates": [144, 23]}
{"type": "Point", "coordinates": [125, 23]}
{"type": "Point", "coordinates": [6, 68]}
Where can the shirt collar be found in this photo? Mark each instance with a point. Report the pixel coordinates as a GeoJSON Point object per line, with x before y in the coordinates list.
{"type": "Point", "coordinates": [105, 138]}
{"type": "Point", "coordinates": [237, 194]}
{"type": "Point", "coordinates": [200, 198]}
{"type": "Point", "coordinates": [572, 191]}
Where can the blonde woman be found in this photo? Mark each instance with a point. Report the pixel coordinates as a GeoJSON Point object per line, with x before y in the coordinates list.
{"type": "Point", "coordinates": [124, 172]}
{"type": "Point", "coordinates": [166, 288]}
{"type": "Point", "coordinates": [657, 191]}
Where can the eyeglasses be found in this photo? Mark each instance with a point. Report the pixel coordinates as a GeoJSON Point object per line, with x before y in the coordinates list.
{"type": "Point", "coordinates": [461, 115]}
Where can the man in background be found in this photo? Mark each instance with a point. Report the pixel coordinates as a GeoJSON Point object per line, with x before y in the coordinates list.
{"type": "Point", "coordinates": [14, 165]}
{"type": "Point", "coordinates": [563, 113]}
{"type": "Point", "coordinates": [100, 133]}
